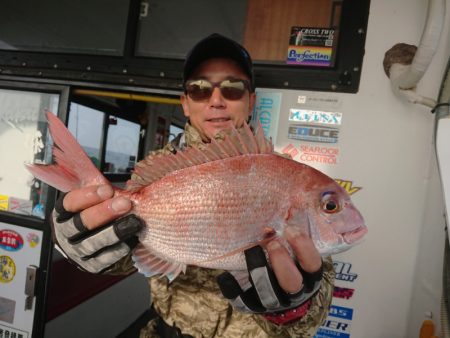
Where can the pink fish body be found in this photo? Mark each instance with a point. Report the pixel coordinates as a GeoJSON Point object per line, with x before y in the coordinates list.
{"type": "Point", "coordinates": [205, 207]}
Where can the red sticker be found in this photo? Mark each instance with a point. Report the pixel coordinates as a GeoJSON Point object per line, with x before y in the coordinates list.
{"type": "Point", "coordinates": [10, 240]}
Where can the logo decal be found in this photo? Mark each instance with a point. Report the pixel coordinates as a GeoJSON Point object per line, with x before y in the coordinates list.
{"type": "Point", "coordinates": [32, 240]}
{"type": "Point", "coordinates": [3, 202]}
{"type": "Point", "coordinates": [8, 307]}
{"type": "Point", "coordinates": [315, 116]}
{"type": "Point", "coordinates": [10, 240]}
{"type": "Point", "coordinates": [313, 133]}
{"type": "Point", "coordinates": [290, 150]}
{"type": "Point", "coordinates": [325, 333]}
{"type": "Point", "coordinates": [7, 269]}
{"type": "Point", "coordinates": [11, 332]}
{"type": "Point", "coordinates": [335, 325]}
{"type": "Point", "coordinates": [325, 155]}
{"type": "Point", "coordinates": [312, 56]}
{"type": "Point", "coordinates": [340, 292]}
{"type": "Point", "coordinates": [341, 312]}
{"type": "Point", "coordinates": [343, 272]}
{"type": "Point", "coordinates": [348, 186]}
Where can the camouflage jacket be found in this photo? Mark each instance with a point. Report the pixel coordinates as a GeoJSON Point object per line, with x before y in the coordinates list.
{"type": "Point", "coordinates": [194, 303]}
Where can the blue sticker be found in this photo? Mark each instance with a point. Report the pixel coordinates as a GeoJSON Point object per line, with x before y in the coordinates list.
{"type": "Point", "coordinates": [325, 333]}
{"type": "Point", "coordinates": [341, 312]}
{"type": "Point", "coordinates": [266, 113]}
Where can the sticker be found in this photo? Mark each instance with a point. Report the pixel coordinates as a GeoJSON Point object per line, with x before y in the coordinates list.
{"type": "Point", "coordinates": [290, 150]}
{"type": "Point", "coordinates": [7, 269]}
{"type": "Point", "coordinates": [11, 332]}
{"type": "Point", "coordinates": [311, 46]}
{"type": "Point", "coordinates": [20, 206]}
{"type": "Point", "coordinates": [336, 325]}
{"type": "Point", "coordinates": [317, 154]}
{"type": "Point", "coordinates": [33, 240]}
{"type": "Point", "coordinates": [7, 308]}
{"type": "Point", "coordinates": [309, 56]}
{"type": "Point", "coordinates": [313, 133]}
{"type": "Point", "coordinates": [345, 293]}
{"type": "Point", "coordinates": [266, 112]}
{"type": "Point", "coordinates": [38, 211]}
{"type": "Point", "coordinates": [341, 312]}
{"type": "Point", "coordinates": [315, 116]}
{"type": "Point", "coordinates": [319, 100]}
{"type": "Point", "coordinates": [3, 203]}
{"type": "Point", "coordinates": [10, 240]}
{"type": "Point", "coordinates": [348, 186]}
{"type": "Point", "coordinates": [343, 272]}
{"type": "Point", "coordinates": [325, 333]}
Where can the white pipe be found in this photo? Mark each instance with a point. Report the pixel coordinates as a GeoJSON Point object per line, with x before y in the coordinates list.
{"type": "Point", "coordinates": [404, 78]}
{"type": "Point", "coordinates": [396, 71]}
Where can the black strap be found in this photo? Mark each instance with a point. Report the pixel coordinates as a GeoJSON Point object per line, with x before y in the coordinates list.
{"type": "Point", "coordinates": [63, 214]}
{"type": "Point", "coordinates": [165, 330]}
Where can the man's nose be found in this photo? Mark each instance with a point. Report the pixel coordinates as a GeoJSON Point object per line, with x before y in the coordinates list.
{"type": "Point", "coordinates": [216, 99]}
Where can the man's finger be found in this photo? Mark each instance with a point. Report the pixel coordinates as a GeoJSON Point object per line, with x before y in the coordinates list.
{"type": "Point", "coordinates": [80, 199]}
{"type": "Point", "coordinates": [105, 212]}
{"type": "Point", "coordinates": [304, 249]}
{"type": "Point", "coordinates": [264, 280]}
{"type": "Point", "coordinates": [286, 272]}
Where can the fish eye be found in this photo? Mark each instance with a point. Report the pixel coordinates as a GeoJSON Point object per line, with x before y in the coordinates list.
{"type": "Point", "coordinates": [330, 202]}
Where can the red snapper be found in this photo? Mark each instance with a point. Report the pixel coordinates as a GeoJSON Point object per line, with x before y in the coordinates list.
{"type": "Point", "coordinates": [206, 206]}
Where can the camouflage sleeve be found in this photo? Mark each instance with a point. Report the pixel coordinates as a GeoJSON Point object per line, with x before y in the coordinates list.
{"type": "Point", "coordinates": [308, 325]}
{"type": "Point", "coordinates": [124, 266]}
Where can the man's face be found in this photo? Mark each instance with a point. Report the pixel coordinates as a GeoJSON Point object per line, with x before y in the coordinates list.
{"type": "Point", "coordinates": [209, 116]}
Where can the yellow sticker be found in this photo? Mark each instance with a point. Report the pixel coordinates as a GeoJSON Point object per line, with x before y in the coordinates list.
{"type": "Point", "coordinates": [3, 202]}
{"type": "Point", "coordinates": [7, 269]}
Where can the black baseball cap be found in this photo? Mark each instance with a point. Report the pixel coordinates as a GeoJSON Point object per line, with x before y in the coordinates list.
{"type": "Point", "coordinates": [218, 46]}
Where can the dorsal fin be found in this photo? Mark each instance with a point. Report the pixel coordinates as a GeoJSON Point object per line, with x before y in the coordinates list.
{"type": "Point", "coordinates": [236, 143]}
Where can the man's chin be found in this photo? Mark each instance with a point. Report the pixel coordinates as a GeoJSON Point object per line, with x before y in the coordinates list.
{"type": "Point", "coordinates": [216, 127]}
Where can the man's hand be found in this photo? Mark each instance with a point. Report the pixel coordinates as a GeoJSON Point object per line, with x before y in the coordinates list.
{"type": "Point", "coordinates": [279, 286]}
{"type": "Point", "coordinates": [87, 229]}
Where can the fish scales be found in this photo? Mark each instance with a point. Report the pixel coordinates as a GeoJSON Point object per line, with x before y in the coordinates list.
{"type": "Point", "coordinates": [209, 204]}
{"type": "Point", "coordinates": [206, 206]}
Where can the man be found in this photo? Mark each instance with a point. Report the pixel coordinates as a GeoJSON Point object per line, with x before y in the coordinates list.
{"type": "Point", "coordinates": [279, 297]}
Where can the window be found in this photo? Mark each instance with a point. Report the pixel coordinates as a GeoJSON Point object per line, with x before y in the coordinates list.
{"type": "Point", "coordinates": [64, 26]}
{"type": "Point", "coordinates": [122, 145]}
{"type": "Point", "coordinates": [93, 128]}
{"type": "Point", "coordinates": [174, 131]}
{"type": "Point", "coordinates": [86, 125]}
{"type": "Point", "coordinates": [24, 139]}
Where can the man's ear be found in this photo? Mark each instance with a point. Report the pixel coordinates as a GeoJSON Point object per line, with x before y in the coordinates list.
{"type": "Point", "coordinates": [185, 105]}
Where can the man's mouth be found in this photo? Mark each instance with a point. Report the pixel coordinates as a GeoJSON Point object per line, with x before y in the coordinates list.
{"type": "Point", "coordinates": [218, 119]}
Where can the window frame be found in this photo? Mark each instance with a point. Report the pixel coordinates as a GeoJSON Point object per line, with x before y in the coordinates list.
{"type": "Point", "coordinates": [165, 73]}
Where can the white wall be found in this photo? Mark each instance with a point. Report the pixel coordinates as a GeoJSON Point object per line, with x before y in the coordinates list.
{"type": "Point", "coordinates": [386, 147]}
{"type": "Point", "coordinates": [405, 209]}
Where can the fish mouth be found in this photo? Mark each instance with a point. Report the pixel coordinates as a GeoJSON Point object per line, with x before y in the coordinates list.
{"type": "Point", "coordinates": [354, 236]}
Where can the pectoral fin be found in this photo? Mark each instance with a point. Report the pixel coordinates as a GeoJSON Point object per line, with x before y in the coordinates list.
{"type": "Point", "coordinates": [150, 265]}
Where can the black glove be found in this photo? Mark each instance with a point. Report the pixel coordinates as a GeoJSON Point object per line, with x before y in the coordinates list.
{"type": "Point", "coordinates": [258, 291]}
{"type": "Point", "coordinates": [93, 250]}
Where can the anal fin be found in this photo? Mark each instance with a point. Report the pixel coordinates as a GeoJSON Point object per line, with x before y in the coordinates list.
{"type": "Point", "coordinates": [150, 265]}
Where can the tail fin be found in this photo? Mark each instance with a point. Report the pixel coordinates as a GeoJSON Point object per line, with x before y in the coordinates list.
{"type": "Point", "coordinates": [73, 168]}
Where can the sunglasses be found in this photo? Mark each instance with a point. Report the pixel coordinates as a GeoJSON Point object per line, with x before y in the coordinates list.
{"type": "Point", "coordinates": [201, 89]}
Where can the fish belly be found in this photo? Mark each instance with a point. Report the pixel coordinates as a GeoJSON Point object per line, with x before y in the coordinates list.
{"type": "Point", "coordinates": [208, 214]}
